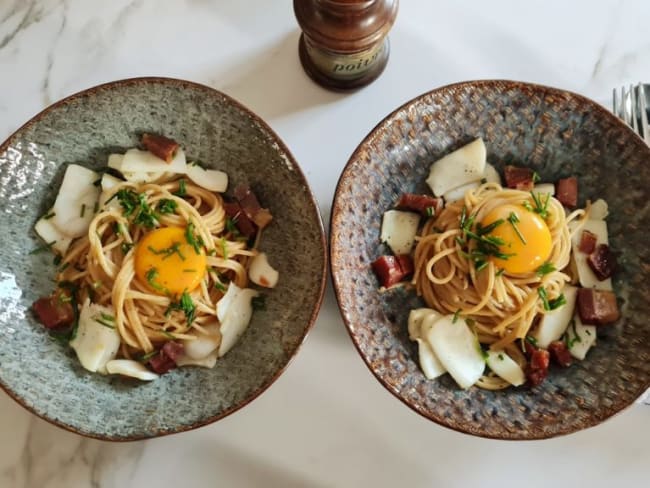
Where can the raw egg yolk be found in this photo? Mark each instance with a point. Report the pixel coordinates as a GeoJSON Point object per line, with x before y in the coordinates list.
{"type": "Point", "coordinates": [526, 238]}
{"type": "Point", "coordinates": [167, 263]}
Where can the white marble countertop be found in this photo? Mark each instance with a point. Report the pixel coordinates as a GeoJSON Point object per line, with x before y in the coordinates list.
{"type": "Point", "coordinates": [326, 421]}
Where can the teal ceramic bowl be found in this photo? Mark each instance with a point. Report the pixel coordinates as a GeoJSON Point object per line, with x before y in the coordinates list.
{"type": "Point", "coordinates": [556, 133]}
{"type": "Point", "coordinates": [45, 376]}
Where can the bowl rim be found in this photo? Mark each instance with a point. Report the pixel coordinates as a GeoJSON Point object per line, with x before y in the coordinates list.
{"type": "Point", "coordinates": [339, 284]}
{"type": "Point", "coordinates": [161, 80]}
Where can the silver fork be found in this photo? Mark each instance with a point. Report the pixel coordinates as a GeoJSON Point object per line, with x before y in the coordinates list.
{"type": "Point", "coordinates": [631, 105]}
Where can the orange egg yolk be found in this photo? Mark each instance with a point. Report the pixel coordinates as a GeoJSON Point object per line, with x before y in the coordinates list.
{"type": "Point", "coordinates": [167, 263]}
{"type": "Point", "coordinates": [525, 235]}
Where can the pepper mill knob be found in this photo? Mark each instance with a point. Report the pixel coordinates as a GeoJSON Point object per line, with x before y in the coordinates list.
{"type": "Point", "coordinates": [344, 43]}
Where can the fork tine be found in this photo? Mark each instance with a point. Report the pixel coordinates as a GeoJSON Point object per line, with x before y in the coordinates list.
{"type": "Point", "coordinates": [645, 133]}
{"type": "Point", "coordinates": [633, 109]}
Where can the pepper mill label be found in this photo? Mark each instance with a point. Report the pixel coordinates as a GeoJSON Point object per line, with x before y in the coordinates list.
{"type": "Point", "coordinates": [346, 66]}
{"type": "Point", "coordinates": [344, 43]}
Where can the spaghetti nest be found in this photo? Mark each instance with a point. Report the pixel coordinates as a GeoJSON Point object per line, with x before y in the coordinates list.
{"type": "Point", "coordinates": [101, 264]}
{"type": "Point", "coordinates": [502, 307]}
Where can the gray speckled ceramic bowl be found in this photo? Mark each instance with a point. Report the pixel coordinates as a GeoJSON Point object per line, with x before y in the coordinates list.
{"type": "Point", "coordinates": [45, 376]}
{"type": "Point", "coordinates": [558, 134]}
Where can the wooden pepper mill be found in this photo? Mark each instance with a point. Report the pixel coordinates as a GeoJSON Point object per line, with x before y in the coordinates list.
{"type": "Point", "coordinates": [344, 43]}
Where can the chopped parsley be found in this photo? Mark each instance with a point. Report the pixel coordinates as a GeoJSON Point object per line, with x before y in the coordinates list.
{"type": "Point", "coordinates": [168, 251]}
{"type": "Point", "coordinates": [570, 342]}
{"type": "Point", "coordinates": [536, 177]}
{"type": "Point", "coordinates": [220, 286]}
{"type": "Point", "coordinates": [500, 356]}
{"type": "Point", "coordinates": [185, 305]}
{"type": "Point", "coordinates": [166, 206]}
{"type": "Point", "coordinates": [49, 215]}
{"type": "Point", "coordinates": [150, 276]}
{"type": "Point", "coordinates": [531, 340]}
{"type": "Point", "coordinates": [499, 272]}
{"type": "Point", "coordinates": [146, 357]}
{"type": "Point", "coordinates": [191, 238]}
{"type": "Point", "coordinates": [83, 210]}
{"type": "Point", "coordinates": [545, 269]}
{"type": "Point", "coordinates": [430, 211]}
{"type": "Point", "coordinates": [483, 181]}
{"type": "Point", "coordinates": [126, 247]}
{"type": "Point", "coordinates": [135, 204]}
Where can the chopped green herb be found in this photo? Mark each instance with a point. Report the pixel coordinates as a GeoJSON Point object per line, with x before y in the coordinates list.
{"type": "Point", "coordinates": [576, 337]}
{"type": "Point", "coordinates": [150, 276]}
{"type": "Point", "coordinates": [513, 219]}
{"type": "Point", "coordinates": [199, 164]}
{"type": "Point", "coordinates": [500, 356]}
{"type": "Point", "coordinates": [587, 331]}
{"type": "Point", "coordinates": [526, 204]}
{"type": "Point", "coordinates": [126, 247]}
{"type": "Point", "coordinates": [146, 357]}
{"type": "Point", "coordinates": [483, 352]}
{"type": "Point", "coordinates": [83, 210]}
{"type": "Point", "coordinates": [483, 181]}
{"type": "Point", "coordinates": [166, 206]}
{"type": "Point", "coordinates": [191, 237]}
{"type": "Point", "coordinates": [540, 207]}
{"type": "Point", "coordinates": [182, 191]}
{"type": "Point", "coordinates": [168, 251]}
{"type": "Point", "coordinates": [49, 215]}
{"type": "Point", "coordinates": [470, 321]}
{"type": "Point", "coordinates": [168, 335]}
{"type": "Point", "coordinates": [105, 320]}
{"type": "Point", "coordinates": [456, 315]}
{"type": "Point", "coordinates": [231, 225]}
{"type": "Point", "coordinates": [97, 182]}
{"type": "Point", "coordinates": [72, 289]}
{"type": "Point", "coordinates": [224, 248]}
{"type": "Point", "coordinates": [57, 259]}
{"type": "Point", "coordinates": [543, 297]}
{"type": "Point", "coordinates": [557, 302]}
{"type": "Point", "coordinates": [480, 265]}
{"type": "Point", "coordinates": [42, 248]}
{"type": "Point", "coordinates": [259, 302]}
{"type": "Point", "coordinates": [185, 305]}
{"type": "Point", "coordinates": [96, 207]}
{"type": "Point", "coordinates": [536, 177]}
{"type": "Point", "coordinates": [459, 241]}
{"type": "Point", "coordinates": [545, 269]}
{"type": "Point", "coordinates": [135, 204]}
{"type": "Point", "coordinates": [531, 340]}
{"type": "Point", "coordinates": [499, 272]}
{"type": "Point", "coordinates": [430, 211]}
{"type": "Point", "coordinates": [220, 286]}
{"type": "Point", "coordinates": [489, 228]}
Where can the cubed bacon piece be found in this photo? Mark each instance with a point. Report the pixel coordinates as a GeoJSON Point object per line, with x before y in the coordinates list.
{"type": "Point", "coordinates": [244, 225]}
{"type": "Point", "coordinates": [392, 269]}
{"type": "Point", "coordinates": [587, 242]}
{"type": "Point", "coordinates": [251, 206]}
{"type": "Point", "coordinates": [425, 204]}
{"type": "Point", "coordinates": [160, 146]}
{"type": "Point", "coordinates": [405, 264]}
{"type": "Point", "coordinates": [537, 368]}
{"type": "Point", "coordinates": [54, 312]}
{"type": "Point", "coordinates": [560, 353]}
{"type": "Point", "coordinates": [519, 178]}
{"type": "Point", "coordinates": [566, 191]}
{"type": "Point", "coordinates": [597, 307]}
{"type": "Point", "coordinates": [166, 358]}
{"type": "Point", "coordinates": [602, 262]}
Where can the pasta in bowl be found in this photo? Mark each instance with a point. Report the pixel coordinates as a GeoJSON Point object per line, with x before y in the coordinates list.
{"type": "Point", "coordinates": [455, 274]}
{"type": "Point", "coordinates": [131, 264]}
